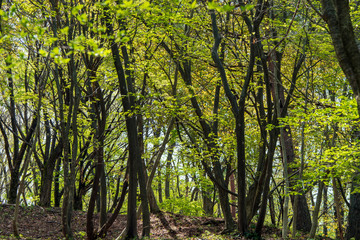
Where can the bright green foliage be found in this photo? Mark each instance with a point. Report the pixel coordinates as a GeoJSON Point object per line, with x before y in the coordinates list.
{"type": "Point", "coordinates": [161, 38]}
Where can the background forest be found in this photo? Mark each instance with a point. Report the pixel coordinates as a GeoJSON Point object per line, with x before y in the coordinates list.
{"type": "Point", "coordinates": [244, 110]}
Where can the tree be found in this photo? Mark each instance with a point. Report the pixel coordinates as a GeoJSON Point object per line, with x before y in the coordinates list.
{"type": "Point", "coordinates": [337, 16]}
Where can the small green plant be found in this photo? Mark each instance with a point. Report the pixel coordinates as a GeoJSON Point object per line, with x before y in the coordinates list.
{"type": "Point", "coordinates": [182, 206]}
{"type": "Point", "coordinates": [81, 235]}
{"type": "Point", "coordinates": [212, 236]}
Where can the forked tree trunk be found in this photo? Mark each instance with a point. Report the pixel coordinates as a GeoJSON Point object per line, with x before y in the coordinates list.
{"type": "Point", "coordinates": [303, 221]}
{"type": "Point", "coordinates": [135, 168]}
{"type": "Point", "coordinates": [47, 176]}
{"type": "Point", "coordinates": [316, 210]}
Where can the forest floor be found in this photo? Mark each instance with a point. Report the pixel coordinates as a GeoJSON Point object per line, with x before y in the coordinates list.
{"type": "Point", "coordinates": [45, 223]}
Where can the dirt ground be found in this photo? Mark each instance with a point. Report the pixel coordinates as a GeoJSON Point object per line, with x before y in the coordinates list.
{"type": "Point", "coordinates": [45, 223]}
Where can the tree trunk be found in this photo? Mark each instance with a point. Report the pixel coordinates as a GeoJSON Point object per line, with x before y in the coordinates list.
{"type": "Point", "coordinates": [208, 205]}
{"type": "Point", "coordinates": [272, 210]}
{"type": "Point", "coordinates": [47, 176]}
{"type": "Point", "coordinates": [57, 195]}
{"type": "Point", "coordinates": [338, 211]}
{"type": "Point", "coordinates": [303, 221]}
{"type": "Point", "coordinates": [167, 173]}
{"type": "Point", "coordinates": [103, 205]}
{"type": "Point", "coordinates": [337, 16]}
{"type": "Point", "coordinates": [353, 229]}
{"type": "Point", "coordinates": [15, 171]}
{"type": "Point", "coordinates": [316, 210]}
{"type": "Point", "coordinates": [160, 186]}
{"type": "Point", "coordinates": [128, 101]}
{"type": "Point", "coordinates": [268, 171]}
{"type": "Point", "coordinates": [232, 188]}
{"type": "Point", "coordinates": [325, 207]}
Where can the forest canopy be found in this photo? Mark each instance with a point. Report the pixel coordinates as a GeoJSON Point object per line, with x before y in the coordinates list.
{"type": "Point", "coordinates": [244, 110]}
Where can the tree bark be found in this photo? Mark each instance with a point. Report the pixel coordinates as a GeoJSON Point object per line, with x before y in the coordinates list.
{"type": "Point", "coordinates": [47, 176]}
{"type": "Point", "coordinates": [134, 162]}
{"type": "Point", "coordinates": [337, 16]}
{"type": "Point", "coordinates": [210, 135]}
{"type": "Point", "coordinates": [338, 211]}
{"type": "Point", "coordinates": [167, 173]}
{"type": "Point", "coordinates": [316, 210]}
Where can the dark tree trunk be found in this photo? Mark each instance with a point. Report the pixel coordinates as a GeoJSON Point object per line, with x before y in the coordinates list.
{"type": "Point", "coordinates": [47, 176]}
{"type": "Point", "coordinates": [160, 186]}
{"type": "Point", "coordinates": [78, 201]}
{"type": "Point", "coordinates": [99, 123]}
{"type": "Point", "coordinates": [57, 195]}
{"type": "Point", "coordinates": [15, 165]}
{"type": "Point", "coordinates": [303, 221]}
{"type": "Point", "coordinates": [15, 171]}
{"type": "Point", "coordinates": [272, 210]}
{"type": "Point", "coordinates": [14, 183]}
{"type": "Point", "coordinates": [45, 187]}
{"type": "Point", "coordinates": [337, 16]}
{"type": "Point", "coordinates": [168, 169]}
{"type": "Point", "coordinates": [268, 170]}
{"type": "Point", "coordinates": [353, 229]}
{"type": "Point", "coordinates": [238, 105]}
{"type": "Point", "coordinates": [103, 191]}
{"type": "Point", "coordinates": [208, 205]}
{"type": "Point", "coordinates": [325, 207]}
{"type": "Point", "coordinates": [134, 161]}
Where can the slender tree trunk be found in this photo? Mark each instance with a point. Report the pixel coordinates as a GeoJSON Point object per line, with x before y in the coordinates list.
{"type": "Point", "coordinates": [284, 149]}
{"type": "Point", "coordinates": [338, 210]}
{"type": "Point", "coordinates": [325, 207]}
{"type": "Point", "coordinates": [57, 184]}
{"type": "Point", "coordinates": [268, 169]}
{"type": "Point", "coordinates": [134, 162]}
{"type": "Point", "coordinates": [316, 210]}
{"type": "Point", "coordinates": [15, 167]}
{"type": "Point", "coordinates": [168, 166]}
{"type": "Point", "coordinates": [160, 186]}
{"type": "Point", "coordinates": [272, 210]}
{"type": "Point", "coordinates": [103, 205]}
{"type": "Point", "coordinates": [232, 188]}
{"type": "Point", "coordinates": [21, 189]}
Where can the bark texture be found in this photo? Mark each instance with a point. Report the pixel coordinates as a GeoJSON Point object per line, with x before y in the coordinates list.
{"type": "Point", "coordinates": [337, 16]}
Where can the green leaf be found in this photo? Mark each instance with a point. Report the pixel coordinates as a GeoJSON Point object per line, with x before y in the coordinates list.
{"type": "Point", "coordinates": [43, 52]}
{"type": "Point", "coordinates": [227, 8]}
{"type": "Point", "coordinates": [76, 9]}
{"type": "Point", "coordinates": [65, 30]}
{"type": "Point", "coordinates": [145, 5]}
{"type": "Point", "coordinates": [128, 4]}
{"type": "Point", "coordinates": [193, 5]}
{"type": "Point", "coordinates": [213, 6]}
{"type": "Point", "coordinates": [247, 7]}
{"type": "Point", "coordinates": [82, 18]}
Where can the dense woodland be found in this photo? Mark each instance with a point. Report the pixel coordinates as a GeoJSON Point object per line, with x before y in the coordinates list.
{"type": "Point", "coordinates": [244, 110]}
